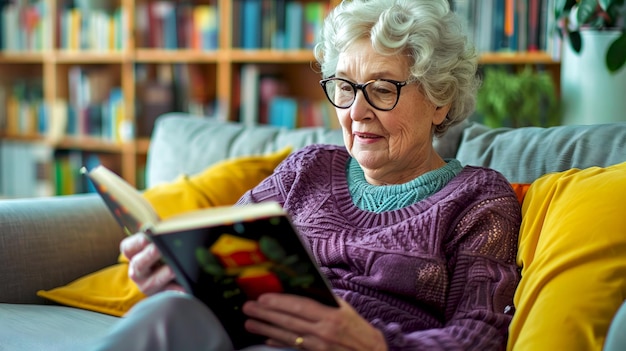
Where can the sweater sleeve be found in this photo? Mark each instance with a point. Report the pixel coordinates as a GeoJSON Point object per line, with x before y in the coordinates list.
{"type": "Point", "coordinates": [275, 186]}
{"type": "Point", "coordinates": [265, 191]}
{"type": "Point", "coordinates": [483, 278]}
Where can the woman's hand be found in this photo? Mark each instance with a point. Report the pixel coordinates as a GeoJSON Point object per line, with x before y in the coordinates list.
{"type": "Point", "coordinates": [145, 267]}
{"type": "Point", "coordinates": [302, 323]}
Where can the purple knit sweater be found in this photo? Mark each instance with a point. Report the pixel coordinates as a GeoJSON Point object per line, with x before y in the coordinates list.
{"type": "Point", "coordinates": [436, 275]}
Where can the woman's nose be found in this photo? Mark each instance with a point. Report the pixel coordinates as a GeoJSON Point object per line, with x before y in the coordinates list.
{"type": "Point", "coordinates": [360, 107]}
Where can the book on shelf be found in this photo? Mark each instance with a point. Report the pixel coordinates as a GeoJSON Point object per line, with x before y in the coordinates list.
{"type": "Point", "coordinates": [205, 27]}
{"type": "Point", "coordinates": [283, 112]}
{"type": "Point", "coordinates": [314, 14]}
{"type": "Point", "coordinates": [251, 22]}
{"type": "Point", "coordinates": [224, 256]}
{"type": "Point", "coordinates": [26, 169]}
{"type": "Point", "coordinates": [509, 25]}
{"type": "Point", "coordinates": [67, 179]}
{"type": "Point", "coordinates": [294, 16]}
{"type": "Point", "coordinates": [249, 94]}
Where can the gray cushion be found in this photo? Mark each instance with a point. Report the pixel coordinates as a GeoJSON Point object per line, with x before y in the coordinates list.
{"type": "Point", "coordinates": [182, 143]}
{"type": "Point", "coordinates": [48, 242]}
{"type": "Point", "coordinates": [185, 144]}
{"type": "Point", "coordinates": [525, 154]}
{"type": "Point", "coordinates": [50, 328]}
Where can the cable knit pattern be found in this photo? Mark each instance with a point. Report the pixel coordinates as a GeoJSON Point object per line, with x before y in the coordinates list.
{"type": "Point", "coordinates": [434, 275]}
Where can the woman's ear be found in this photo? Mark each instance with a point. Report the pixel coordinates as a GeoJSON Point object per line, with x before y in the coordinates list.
{"type": "Point", "coordinates": [440, 114]}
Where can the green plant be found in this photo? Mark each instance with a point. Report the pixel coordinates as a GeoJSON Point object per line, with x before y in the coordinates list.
{"type": "Point", "coordinates": [574, 15]}
{"type": "Point", "coordinates": [517, 99]}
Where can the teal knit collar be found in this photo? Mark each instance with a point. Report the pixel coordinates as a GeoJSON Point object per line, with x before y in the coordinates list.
{"type": "Point", "coordinates": [381, 198]}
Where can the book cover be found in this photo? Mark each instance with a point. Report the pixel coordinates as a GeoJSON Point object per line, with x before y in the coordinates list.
{"type": "Point", "coordinates": [251, 21]}
{"type": "Point", "coordinates": [224, 256]}
{"type": "Point", "coordinates": [283, 112]}
{"type": "Point", "coordinates": [497, 35]}
{"type": "Point", "coordinates": [314, 13]}
{"type": "Point", "coordinates": [249, 94]}
{"type": "Point", "coordinates": [533, 26]}
{"type": "Point", "coordinates": [294, 27]}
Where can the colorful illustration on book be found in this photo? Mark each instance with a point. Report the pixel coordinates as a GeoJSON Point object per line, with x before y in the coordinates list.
{"type": "Point", "coordinates": [121, 213]}
{"type": "Point", "coordinates": [253, 267]}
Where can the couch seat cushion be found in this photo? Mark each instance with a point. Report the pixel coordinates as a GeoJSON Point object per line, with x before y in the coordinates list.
{"type": "Point", "coordinates": [46, 327]}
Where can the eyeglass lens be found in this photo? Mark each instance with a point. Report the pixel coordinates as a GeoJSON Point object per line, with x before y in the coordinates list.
{"type": "Point", "coordinates": [379, 93]}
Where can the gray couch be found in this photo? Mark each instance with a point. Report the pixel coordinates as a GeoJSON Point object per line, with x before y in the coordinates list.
{"type": "Point", "coordinates": [49, 242]}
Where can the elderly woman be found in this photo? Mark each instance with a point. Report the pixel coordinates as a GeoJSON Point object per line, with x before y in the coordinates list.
{"type": "Point", "coordinates": [419, 250]}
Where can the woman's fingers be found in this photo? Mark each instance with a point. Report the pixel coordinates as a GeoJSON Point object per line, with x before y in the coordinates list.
{"type": "Point", "coordinates": [145, 267]}
{"type": "Point", "coordinates": [299, 306]}
{"type": "Point", "coordinates": [285, 318]}
{"type": "Point", "coordinates": [160, 278]}
{"type": "Point", "coordinates": [281, 338]}
{"type": "Point", "coordinates": [132, 245]}
{"type": "Point", "coordinates": [142, 263]}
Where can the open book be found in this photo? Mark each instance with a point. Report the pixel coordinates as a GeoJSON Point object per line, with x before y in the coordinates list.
{"type": "Point", "coordinates": [225, 255]}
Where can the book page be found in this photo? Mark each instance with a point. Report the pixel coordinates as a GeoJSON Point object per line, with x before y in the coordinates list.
{"type": "Point", "coordinates": [217, 215]}
{"type": "Point", "coordinates": [132, 211]}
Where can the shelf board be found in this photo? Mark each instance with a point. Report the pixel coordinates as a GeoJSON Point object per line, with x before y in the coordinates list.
{"type": "Point", "coordinates": [86, 143]}
{"type": "Point", "coordinates": [87, 57]}
{"type": "Point", "coordinates": [22, 137]}
{"type": "Point", "coordinates": [71, 142]}
{"type": "Point", "coordinates": [516, 58]}
{"type": "Point", "coordinates": [183, 55]}
{"type": "Point", "coordinates": [234, 55]}
{"type": "Point", "coordinates": [22, 57]}
{"type": "Point", "coordinates": [271, 56]}
{"type": "Point", "coordinates": [142, 145]}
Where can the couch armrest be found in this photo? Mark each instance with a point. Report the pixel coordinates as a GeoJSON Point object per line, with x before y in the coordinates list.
{"type": "Point", "coordinates": [49, 242]}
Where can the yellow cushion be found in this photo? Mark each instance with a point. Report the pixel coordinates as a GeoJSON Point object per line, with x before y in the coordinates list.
{"type": "Point", "coordinates": [572, 250]}
{"type": "Point", "coordinates": [221, 184]}
{"type": "Point", "coordinates": [110, 290]}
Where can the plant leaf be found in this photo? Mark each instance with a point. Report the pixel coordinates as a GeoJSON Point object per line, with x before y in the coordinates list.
{"type": "Point", "coordinates": [616, 54]}
{"type": "Point", "coordinates": [575, 41]}
{"type": "Point", "coordinates": [520, 98]}
{"type": "Point", "coordinates": [563, 6]}
{"type": "Point", "coordinates": [586, 11]}
{"type": "Point", "coordinates": [605, 4]}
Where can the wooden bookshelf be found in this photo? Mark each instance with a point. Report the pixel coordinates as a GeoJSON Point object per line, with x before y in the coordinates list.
{"type": "Point", "coordinates": [517, 58]}
{"type": "Point", "coordinates": [219, 69]}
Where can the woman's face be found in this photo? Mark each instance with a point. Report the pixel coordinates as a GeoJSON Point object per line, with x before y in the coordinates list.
{"type": "Point", "coordinates": [392, 147]}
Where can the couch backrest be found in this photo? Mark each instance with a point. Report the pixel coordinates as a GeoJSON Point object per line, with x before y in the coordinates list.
{"type": "Point", "coordinates": [524, 154]}
{"type": "Point", "coordinates": [185, 144]}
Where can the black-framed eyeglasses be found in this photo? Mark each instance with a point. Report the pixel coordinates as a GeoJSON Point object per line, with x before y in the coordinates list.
{"type": "Point", "coordinates": [382, 94]}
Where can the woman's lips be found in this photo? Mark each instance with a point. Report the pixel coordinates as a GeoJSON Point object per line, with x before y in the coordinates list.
{"type": "Point", "coordinates": [366, 137]}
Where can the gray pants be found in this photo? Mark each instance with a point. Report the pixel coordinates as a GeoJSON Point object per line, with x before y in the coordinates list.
{"type": "Point", "coordinates": [616, 337]}
{"type": "Point", "coordinates": [170, 321]}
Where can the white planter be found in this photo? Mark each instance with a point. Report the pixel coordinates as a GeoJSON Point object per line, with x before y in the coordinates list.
{"type": "Point", "coordinates": [589, 92]}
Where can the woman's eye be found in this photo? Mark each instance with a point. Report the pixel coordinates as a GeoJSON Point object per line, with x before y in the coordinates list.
{"type": "Point", "coordinates": [345, 87]}
{"type": "Point", "coordinates": [382, 90]}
